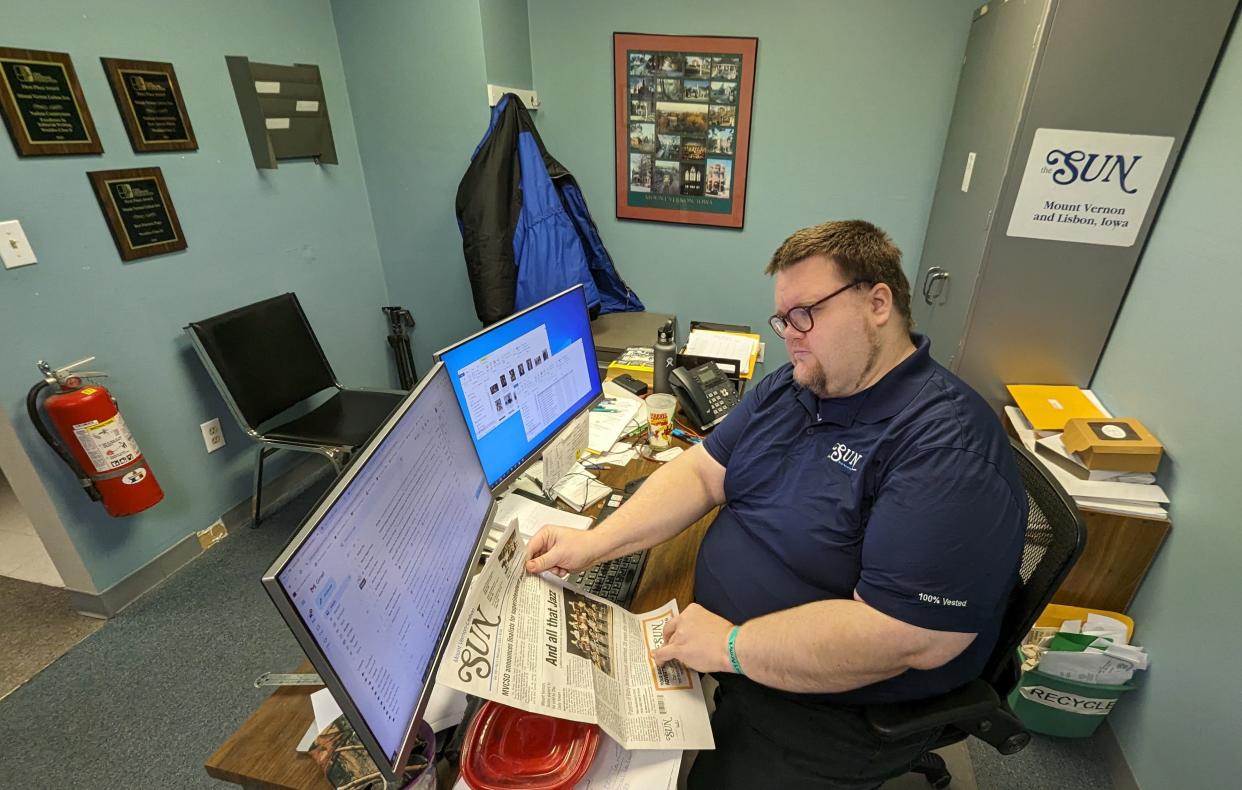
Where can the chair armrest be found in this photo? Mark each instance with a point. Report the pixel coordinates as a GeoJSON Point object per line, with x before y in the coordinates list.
{"type": "Point", "coordinates": [974, 700]}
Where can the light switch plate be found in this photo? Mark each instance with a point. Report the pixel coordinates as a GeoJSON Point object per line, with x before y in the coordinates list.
{"type": "Point", "coordinates": [14, 248]}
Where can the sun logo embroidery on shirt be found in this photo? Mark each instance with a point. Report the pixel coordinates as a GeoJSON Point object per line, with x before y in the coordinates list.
{"type": "Point", "coordinates": [845, 457]}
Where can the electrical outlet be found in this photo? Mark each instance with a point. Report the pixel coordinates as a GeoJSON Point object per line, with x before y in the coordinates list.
{"type": "Point", "coordinates": [14, 248]}
{"type": "Point", "coordinates": [213, 437]}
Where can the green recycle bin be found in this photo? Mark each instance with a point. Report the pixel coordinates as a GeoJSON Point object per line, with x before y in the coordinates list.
{"type": "Point", "coordinates": [1067, 708]}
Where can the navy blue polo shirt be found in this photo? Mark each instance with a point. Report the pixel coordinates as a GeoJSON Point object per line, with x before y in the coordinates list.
{"type": "Point", "coordinates": [906, 492]}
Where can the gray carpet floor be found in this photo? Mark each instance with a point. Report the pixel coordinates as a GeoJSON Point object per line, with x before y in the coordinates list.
{"type": "Point", "coordinates": [145, 700]}
{"type": "Point", "coordinates": [1045, 764]}
{"type": "Point", "coordinates": [36, 628]}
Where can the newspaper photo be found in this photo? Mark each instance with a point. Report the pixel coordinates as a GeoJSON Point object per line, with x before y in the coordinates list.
{"type": "Point", "coordinates": [543, 646]}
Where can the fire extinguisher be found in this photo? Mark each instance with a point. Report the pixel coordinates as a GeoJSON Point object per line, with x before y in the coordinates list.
{"type": "Point", "coordinates": [97, 445]}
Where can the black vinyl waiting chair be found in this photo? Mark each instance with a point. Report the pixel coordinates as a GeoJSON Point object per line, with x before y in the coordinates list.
{"type": "Point", "coordinates": [1055, 537]}
{"type": "Point", "coordinates": [265, 359]}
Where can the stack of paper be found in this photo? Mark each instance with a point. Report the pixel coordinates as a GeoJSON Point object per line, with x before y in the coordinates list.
{"type": "Point", "coordinates": [620, 455]}
{"type": "Point", "coordinates": [1145, 500]}
{"type": "Point", "coordinates": [531, 516]}
{"type": "Point", "coordinates": [736, 346]}
{"type": "Point", "coordinates": [580, 489]}
{"type": "Point", "coordinates": [1091, 659]}
{"type": "Point", "coordinates": [610, 420]}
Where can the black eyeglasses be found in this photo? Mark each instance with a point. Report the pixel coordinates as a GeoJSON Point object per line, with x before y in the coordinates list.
{"type": "Point", "coordinates": [801, 318]}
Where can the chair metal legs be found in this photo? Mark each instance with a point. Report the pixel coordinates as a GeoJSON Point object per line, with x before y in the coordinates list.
{"type": "Point", "coordinates": [338, 456]}
{"type": "Point", "coordinates": [258, 483]}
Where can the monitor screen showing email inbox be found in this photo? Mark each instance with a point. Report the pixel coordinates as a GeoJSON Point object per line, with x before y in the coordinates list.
{"type": "Point", "coordinates": [522, 380]}
{"type": "Point", "coordinates": [375, 580]}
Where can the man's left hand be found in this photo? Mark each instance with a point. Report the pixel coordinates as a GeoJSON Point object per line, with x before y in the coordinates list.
{"type": "Point", "coordinates": [698, 639]}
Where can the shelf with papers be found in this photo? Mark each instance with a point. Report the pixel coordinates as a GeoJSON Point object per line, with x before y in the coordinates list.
{"type": "Point", "coordinates": [1123, 535]}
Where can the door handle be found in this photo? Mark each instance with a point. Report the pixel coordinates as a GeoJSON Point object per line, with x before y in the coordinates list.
{"type": "Point", "coordinates": [935, 274]}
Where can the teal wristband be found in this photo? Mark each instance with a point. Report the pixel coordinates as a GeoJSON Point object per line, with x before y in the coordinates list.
{"type": "Point", "coordinates": [737, 667]}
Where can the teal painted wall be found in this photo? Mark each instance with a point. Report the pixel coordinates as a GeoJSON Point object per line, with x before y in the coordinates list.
{"type": "Point", "coordinates": [416, 80]}
{"type": "Point", "coordinates": [852, 104]}
{"type": "Point", "coordinates": [251, 235]}
{"type": "Point", "coordinates": [506, 43]}
{"type": "Point", "coordinates": [1172, 362]}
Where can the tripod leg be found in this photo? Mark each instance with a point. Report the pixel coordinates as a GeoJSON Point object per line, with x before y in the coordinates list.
{"type": "Point", "coordinates": [403, 368]}
{"type": "Point", "coordinates": [409, 358]}
{"type": "Point", "coordinates": [394, 342]}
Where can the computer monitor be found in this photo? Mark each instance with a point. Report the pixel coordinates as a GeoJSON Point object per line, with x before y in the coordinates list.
{"type": "Point", "coordinates": [373, 579]}
{"type": "Point", "coordinates": [521, 380]}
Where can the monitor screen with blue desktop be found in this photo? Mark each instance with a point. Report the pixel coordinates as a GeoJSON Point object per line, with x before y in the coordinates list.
{"type": "Point", "coordinates": [371, 582]}
{"type": "Point", "coordinates": [522, 380]}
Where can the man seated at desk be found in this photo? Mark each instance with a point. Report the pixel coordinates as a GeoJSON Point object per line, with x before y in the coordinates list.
{"type": "Point", "coordinates": [869, 535]}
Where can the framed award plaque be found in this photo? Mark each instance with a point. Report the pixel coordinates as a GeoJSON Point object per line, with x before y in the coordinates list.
{"type": "Point", "coordinates": [139, 211]}
{"type": "Point", "coordinates": [151, 105]}
{"type": "Point", "coordinates": [43, 105]}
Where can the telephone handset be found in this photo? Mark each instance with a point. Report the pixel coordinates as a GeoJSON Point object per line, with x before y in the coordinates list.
{"type": "Point", "coordinates": [705, 393]}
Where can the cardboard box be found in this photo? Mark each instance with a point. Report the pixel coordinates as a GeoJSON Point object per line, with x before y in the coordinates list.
{"type": "Point", "coordinates": [1120, 443]}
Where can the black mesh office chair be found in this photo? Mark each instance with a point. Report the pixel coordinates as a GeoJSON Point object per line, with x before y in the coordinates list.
{"type": "Point", "coordinates": [265, 359]}
{"type": "Point", "coordinates": [1055, 537]}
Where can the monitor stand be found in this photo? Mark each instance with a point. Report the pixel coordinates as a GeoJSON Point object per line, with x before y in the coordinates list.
{"type": "Point", "coordinates": [287, 679]}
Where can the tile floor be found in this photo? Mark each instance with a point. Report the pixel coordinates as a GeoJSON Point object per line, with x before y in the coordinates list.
{"type": "Point", "coordinates": [22, 555]}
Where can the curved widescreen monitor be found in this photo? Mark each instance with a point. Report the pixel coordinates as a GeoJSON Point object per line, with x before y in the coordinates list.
{"type": "Point", "coordinates": [521, 380]}
{"type": "Point", "coordinates": [371, 582]}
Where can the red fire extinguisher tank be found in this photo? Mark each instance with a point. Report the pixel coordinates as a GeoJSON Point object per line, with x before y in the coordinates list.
{"type": "Point", "coordinates": [94, 432]}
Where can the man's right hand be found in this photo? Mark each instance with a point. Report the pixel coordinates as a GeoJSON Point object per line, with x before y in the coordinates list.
{"type": "Point", "coordinates": [562, 550]}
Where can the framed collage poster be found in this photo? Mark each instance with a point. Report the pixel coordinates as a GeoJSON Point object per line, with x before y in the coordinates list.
{"type": "Point", "coordinates": [683, 109]}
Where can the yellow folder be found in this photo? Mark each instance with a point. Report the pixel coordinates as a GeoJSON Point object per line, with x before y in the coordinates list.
{"type": "Point", "coordinates": [1048, 407]}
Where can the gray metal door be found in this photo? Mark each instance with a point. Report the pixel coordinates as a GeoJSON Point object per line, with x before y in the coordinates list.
{"type": "Point", "coordinates": [1000, 55]}
{"type": "Point", "coordinates": [1043, 309]}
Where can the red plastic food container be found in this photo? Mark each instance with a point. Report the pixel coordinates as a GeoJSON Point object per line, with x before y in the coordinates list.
{"type": "Point", "coordinates": [510, 749]}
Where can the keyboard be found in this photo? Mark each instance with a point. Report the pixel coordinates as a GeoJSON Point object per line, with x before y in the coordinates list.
{"type": "Point", "coordinates": [614, 580]}
{"type": "Point", "coordinates": [617, 579]}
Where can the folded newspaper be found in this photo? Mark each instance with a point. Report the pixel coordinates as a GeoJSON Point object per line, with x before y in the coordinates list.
{"type": "Point", "coordinates": [545, 646]}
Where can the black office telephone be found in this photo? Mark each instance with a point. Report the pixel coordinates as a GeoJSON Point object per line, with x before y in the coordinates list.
{"type": "Point", "coordinates": [705, 393]}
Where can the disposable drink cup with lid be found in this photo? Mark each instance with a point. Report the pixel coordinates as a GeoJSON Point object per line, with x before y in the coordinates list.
{"type": "Point", "coordinates": [660, 410]}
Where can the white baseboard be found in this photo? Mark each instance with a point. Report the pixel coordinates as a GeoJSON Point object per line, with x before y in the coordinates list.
{"type": "Point", "coordinates": [276, 493]}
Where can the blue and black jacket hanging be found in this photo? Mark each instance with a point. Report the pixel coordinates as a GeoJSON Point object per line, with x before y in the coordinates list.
{"type": "Point", "coordinates": [525, 228]}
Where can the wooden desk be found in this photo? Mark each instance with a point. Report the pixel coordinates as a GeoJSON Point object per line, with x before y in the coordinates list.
{"type": "Point", "coordinates": [261, 754]}
{"type": "Point", "coordinates": [1119, 552]}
